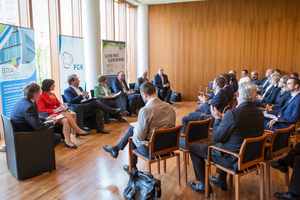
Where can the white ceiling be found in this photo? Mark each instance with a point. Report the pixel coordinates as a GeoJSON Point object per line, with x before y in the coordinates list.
{"type": "Point", "coordinates": [152, 2]}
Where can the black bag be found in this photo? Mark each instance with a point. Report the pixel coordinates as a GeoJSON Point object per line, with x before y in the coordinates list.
{"type": "Point", "coordinates": [176, 97]}
{"type": "Point", "coordinates": [142, 186]}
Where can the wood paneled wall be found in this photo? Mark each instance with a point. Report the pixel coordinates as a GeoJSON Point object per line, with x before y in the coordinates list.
{"type": "Point", "coordinates": [196, 41]}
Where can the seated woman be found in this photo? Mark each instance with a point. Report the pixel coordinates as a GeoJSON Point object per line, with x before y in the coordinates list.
{"type": "Point", "coordinates": [101, 91]}
{"type": "Point", "coordinates": [49, 103]}
{"type": "Point", "coordinates": [271, 92]}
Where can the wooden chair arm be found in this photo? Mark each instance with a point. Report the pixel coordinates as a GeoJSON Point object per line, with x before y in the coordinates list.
{"type": "Point", "coordinates": [223, 150]}
{"type": "Point", "coordinates": [182, 135]}
{"type": "Point", "coordinates": [269, 131]}
{"type": "Point", "coordinates": [147, 144]}
{"type": "Point", "coordinates": [267, 145]}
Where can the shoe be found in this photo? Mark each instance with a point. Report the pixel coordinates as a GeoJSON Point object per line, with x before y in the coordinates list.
{"type": "Point", "coordinates": [132, 115]}
{"type": "Point", "coordinates": [3, 149]}
{"type": "Point", "coordinates": [126, 168]}
{"type": "Point", "coordinates": [122, 120]}
{"type": "Point", "coordinates": [124, 112]}
{"type": "Point", "coordinates": [200, 187]}
{"type": "Point", "coordinates": [110, 150]}
{"type": "Point", "coordinates": [216, 182]}
{"type": "Point", "coordinates": [71, 147]}
{"type": "Point", "coordinates": [282, 168]}
{"type": "Point", "coordinates": [116, 110]}
{"type": "Point", "coordinates": [286, 195]}
{"type": "Point", "coordinates": [169, 102]}
{"type": "Point", "coordinates": [84, 134]}
{"type": "Point", "coordinates": [101, 130]}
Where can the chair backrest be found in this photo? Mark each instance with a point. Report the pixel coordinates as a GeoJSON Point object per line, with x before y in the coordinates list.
{"type": "Point", "coordinates": [211, 85]}
{"type": "Point", "coordinates": [197, 132]}
{"type": "Point", "coordinates": [252, 151]}
{"type": "Point", "coordinates": [280, 141]}
{"type": "Point", "coordinates": [228, 107]}
{"type": "Point", "coordinates": [92, 93]}
{"type": "Point", "coordinates": [131, 85]}
{"type": "Point", "coordinates": [204, 94]}
{"type": "Point", "coordinates": [164, 141]}
{"type": "Point", "coordinates": [64, 98]}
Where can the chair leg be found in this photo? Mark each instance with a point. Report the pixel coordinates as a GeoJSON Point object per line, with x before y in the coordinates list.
{"type": "Point", "coordinates": [178, 169]}
{"type": "Point", "coordinates": [158, 167]}
{"type": "Point", "coordinates": [262, 187]}
{"type": "Point", "coordinates": [237, 187]}
{"type": "Point", "coordinates": [286, 178]}
{"type": "Point", "coordinates": [149, 167]}
{"type": "Point", "coordinates": [268, 179]}
{"type": "Point", "coordinates": [130, 160]}
{"type": "Point", "coordinates": [165, 165]}
{"type": "Point", "coordinates": [188, 158]}
{"type": "Point", "coordinates": [207, 181]}
{"type": "Point", "coordinates": [184, 167]}
{"type": "Point", "coordinates": [230, 179]}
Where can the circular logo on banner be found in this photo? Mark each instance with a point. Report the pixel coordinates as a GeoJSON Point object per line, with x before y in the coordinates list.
{"type": "Point", "coordinates": [67, 59]}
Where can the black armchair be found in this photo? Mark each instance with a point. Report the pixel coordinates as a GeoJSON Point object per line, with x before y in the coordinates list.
{"type": "Point", "coordinates": [28, 154]}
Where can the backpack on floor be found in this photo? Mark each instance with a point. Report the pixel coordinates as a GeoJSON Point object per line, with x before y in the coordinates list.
{"type": "Point", "coordinates": [176, 96]}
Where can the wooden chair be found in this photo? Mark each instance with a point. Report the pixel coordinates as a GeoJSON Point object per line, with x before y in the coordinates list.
{"type": "Point", "coordinates": [162, 145]}
{"type": "Point", "coordinates": [251, 155]}
{"type": "Point", "coordinates": [278, 146]}
{"type": "Point", "coordinates": [196, 132]}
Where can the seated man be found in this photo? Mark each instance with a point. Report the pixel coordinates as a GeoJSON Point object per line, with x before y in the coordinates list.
{"type": "Point", "coordinates": [75, 95]}
{"type": "Point", "coordinates": [218, 99]}
{"type": "Point", "coordinates": [25, 116]}
{"type": "Point", "coordinates": [254, 79]}
{"type": "Point", "coordinates": [229, 132]}
{"type": "Point", "coordinates": [293, 160]}
{"type": "Point", "coordinates": [233, 82]}
{"type": "Point", "coordinates": [290, 112]}
{"type": "Point", "coordinates": [294, 75]}
{"type": "Point", "coordinates": [161, 82]}
{"type": "Point", "coordinates": [277, 71]}
{"type": "Point", "coordinates": [245, 77]}
{"type": "Point", "coordinates": [228, 89]}
{"type": "Point", "coordinates": [156, 114]}
{"type": "Point", "coordinates": [264, 82]}
{"type": "Point", "coordinates": [141, 80]}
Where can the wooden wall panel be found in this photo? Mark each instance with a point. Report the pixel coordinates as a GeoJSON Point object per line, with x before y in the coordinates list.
{"type": "Point", "coordinates": [195, 42]}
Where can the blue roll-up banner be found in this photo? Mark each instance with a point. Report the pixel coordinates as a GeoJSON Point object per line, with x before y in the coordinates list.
{"type": "Point", "coordinates": [71, 60]}
{"type": "Point", "coordinates": [17, 63]}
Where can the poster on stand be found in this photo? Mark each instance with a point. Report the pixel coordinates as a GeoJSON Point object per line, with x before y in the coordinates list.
{"type": "Point", "coordinates": [71, 60]}
{"type": "Point", "coordinates": [17, 64]}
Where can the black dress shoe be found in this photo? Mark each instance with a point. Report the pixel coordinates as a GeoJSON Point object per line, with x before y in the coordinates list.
{"type": "Point", "coordinates": [84, 134]}
{"type": "Point", "coordinates": [102, 131]}
{"type": "Point", "coordinates": [110, 150]}
{"type": "Point", "coordinates": [215, 181]}
{"type": "Point", "coordinates": [126, 168]}
{"type": "Point", "coordinates": [71, 147]}
{"type": "Point", "coordinates": [286, 195]}
{"type": "Point", "coordinates": [200, 187]}
{"type": "Point", "coordinates": [116, 110]}
{"type": "Point", "coordinates": [280, 167]}
{"type": "Point", "coordinates": [122, 120]}
{"type": "Point", "coordinates": [124, 112]}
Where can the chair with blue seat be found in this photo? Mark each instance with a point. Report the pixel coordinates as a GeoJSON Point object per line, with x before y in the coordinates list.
{"type": "Point", "coordinates": [250, 158]}
{"type": "Point", "coordinates": [162, 145]}
{"type": "Point", "coordinates": [196, 132]}
{"type": "Point", "coordinates": [208, 91]}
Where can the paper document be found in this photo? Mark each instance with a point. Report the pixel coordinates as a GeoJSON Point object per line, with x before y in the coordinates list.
{"type": "Point", "coordinates": [115, 95]}
{"type": "Point", "coordinates": [87, 100]}
{"type": "Point", "coordinates": [58, 117]}
{"type": "Point", "coordinates": [270, 116]}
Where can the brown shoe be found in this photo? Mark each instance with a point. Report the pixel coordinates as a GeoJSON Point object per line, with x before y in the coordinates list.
{"type": "Point", "coordinates": [132, 115]}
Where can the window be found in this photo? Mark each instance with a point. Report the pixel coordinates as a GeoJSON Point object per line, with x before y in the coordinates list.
{"type": "Point", "coordinates": [9, 12]}
{"type": "Point", "coordinates": [30, 42]}
{"type": "Point", "coordinates": [30, 53]}
{"type": "Point", "coordinates": [66, 17]}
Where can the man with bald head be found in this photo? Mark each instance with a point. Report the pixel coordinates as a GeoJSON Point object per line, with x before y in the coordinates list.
{"type": "Point", "coordinates": [141, 80]}
{"type": "Point", "coordinates": [161, 82]}
{"type": "Point", "coordinates": [264, 82]}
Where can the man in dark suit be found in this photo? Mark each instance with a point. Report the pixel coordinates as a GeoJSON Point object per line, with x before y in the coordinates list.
{"type": "Point", "coordinates": [75, 96]}
{"type": "Point", "coordinates": [254, 79]}
{"type": "Point", "coordinates": [162, 84]}
{"type": "Point", "coordinates": [290, 112]}
{"type": "Point", "coordinates": [264, 82]}
{"type": "Point", "coordinates": [141, 80]}
{"type": "Point", "coordinates": [25, 116]}
{"type": "Point", "coordinates": [228, 89]}
{"type": "Point", "coordinates": [229, 132]}
{"type": "Point", "coordinates": [120, 85]}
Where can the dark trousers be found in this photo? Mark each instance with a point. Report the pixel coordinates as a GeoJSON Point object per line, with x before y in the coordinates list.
{"type": "Point", "coordinates": [293, 160]}
{"type": "Point", "coordinates": [114, 103]}
{"type": "Point", "coordinates": [186, 120]}
{"type": "Point", "coordinates": [124, 141]}
{"type": "Point", "coordinates": [165, 93]}
{"type": "Point", "coordinates": [131, 100]}
{"type": "Point", "coordinates": [198, 152]}
{"type": "Point", "coordinates": [56, 139]}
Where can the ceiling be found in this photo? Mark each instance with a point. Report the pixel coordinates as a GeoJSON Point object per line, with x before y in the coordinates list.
{"type": "Point", "coordinates": [152, 2]}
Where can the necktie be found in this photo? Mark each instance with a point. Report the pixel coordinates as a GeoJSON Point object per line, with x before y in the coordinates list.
{"type": "Point", "coordinates": [124, 88]}
{"type": "Point", "coordinates": [265, 83]}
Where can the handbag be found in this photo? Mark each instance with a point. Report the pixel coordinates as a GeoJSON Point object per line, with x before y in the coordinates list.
{"type": "Point", "coordinates": [142, 186]}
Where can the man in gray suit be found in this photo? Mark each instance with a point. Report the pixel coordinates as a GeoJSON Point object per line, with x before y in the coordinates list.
{"type": "Point", "coordinates": [141, 80]}
{"type": "Point", "coordinates": [155, 115]}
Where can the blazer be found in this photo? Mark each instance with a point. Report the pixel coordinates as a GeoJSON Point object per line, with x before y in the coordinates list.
{"type": "Point", "coordinates": [245, 121]}
{"type": "Point", "coordinates": [46, 104]}
{"type": "Point", "coordinates": [220, 100]}
{"type": "Point", "coordinates": [261, 82]}
{"type": "Point", "coordinates": [281, 100]}
{"type": "Point", "coordinates": [25, 116]}
{"type": "Point", "coordinates": [157, 82]}
{"type": "Point", "coordinates": [156, 114]}
{"type": "Point", "coordinates": [99, 92]}
{"type": "Point", "coordinates": [229, 92]}
{"type": "Point", "coordinates": [72, 97]}
{"type": "Point", "coordinates": [255, 81]}
{"type": "Point", "coordinates": [271, 95]}
{"type": "Point", "coordinates": [234, 86]}
{"type": "Point", "coordinates": [139, 82]}
{"type": "Point", "coordinates": [117, 86]}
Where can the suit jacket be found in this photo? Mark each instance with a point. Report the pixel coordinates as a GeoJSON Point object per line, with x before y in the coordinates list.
{"type": "Point", "coordinates": [139, 82]}
{"type": "Point", "coordinates": [72, 97]}
{"type": "Point", "coordinates": [220, 100]}
{"type": "Point", "coordinates": [117, 86]}
{"type": "Point", "coordinates": [99, 92]}
{"type": "Point", "coordinates": [261, 82]}
{"type": "Point", "coordinates": [157, 82]}
{"type": "Point", "coordinates": [245, 121]}
{"type": "Point", "coordinates": [46, 104]}
{"type": "Point", "coordinates": [255, 81]}
{"type": "Point", "coordinates": [229, 92]}
{"type": "Point", "coordinates": [156, 114]}
{"type": "Point", "coordinates": [271, 95]}
{"type": "Point", "coordinates": [281, 100]}
{"type": "Point", "coordinates": [25, 116]}
{"type": "Point", "coordinates": [234, 86]}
